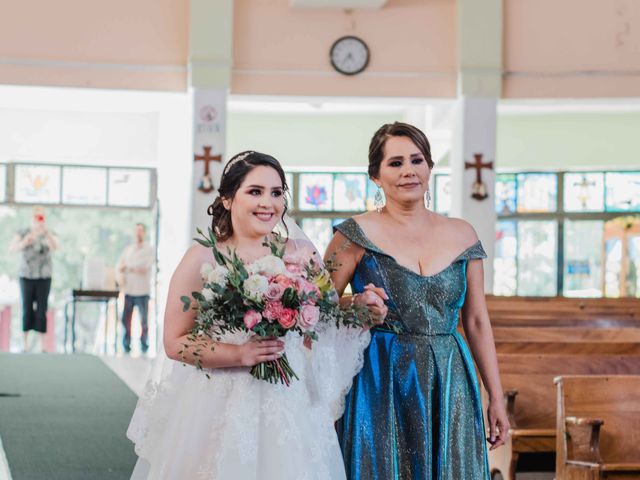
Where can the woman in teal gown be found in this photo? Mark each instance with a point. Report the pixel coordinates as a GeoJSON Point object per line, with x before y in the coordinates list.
{"type": "Point", "coordinates": [414, 410]}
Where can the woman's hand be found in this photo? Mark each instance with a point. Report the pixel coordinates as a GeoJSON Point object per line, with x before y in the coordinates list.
{"type": "Point", "coordinates": [498, 423]}
{"type": "Point", "coordinates": [373, 298]}
{"type": "Point", "coordinates": [28, 239]}
{"type": "Point", "coordinates": [260, 349]}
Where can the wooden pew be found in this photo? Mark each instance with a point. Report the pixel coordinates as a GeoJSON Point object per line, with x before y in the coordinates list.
{"type": "Point", "coordinates": [565, 334]}
{"type": "Point", "coordinates": [567, 340]}
{"type": "Point", "coordinates": [598, 427]}
{"type": "Point", "coordinates": [527, 380]}
{"type": "Point", "coordinates": [560, 320]}
{"type": "Point", "coordinates": [628, 306]}
{"type": "Point", "coordinates": [561, 311]}
{"type": "Point", "coordinates": [570, 348]}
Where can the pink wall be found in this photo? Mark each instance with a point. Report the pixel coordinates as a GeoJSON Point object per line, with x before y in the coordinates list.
{"type": "Point", "coordinates": [567, 48]}
{"type": "Point", "coordinates": [571, 48]}
{"type": "Point", "coordinates": [279, 50]}
{"type": "Point", "coordinates": [114, 44]}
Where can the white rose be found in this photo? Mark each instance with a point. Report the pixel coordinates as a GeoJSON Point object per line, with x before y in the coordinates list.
{"type": "Point", "coordinates": [256, 286]}
{"type": "Point", "coordinates": [269, 265]}
{"type": "Point", "coordinates": [205, 269]}
{"type": "Point", "coordinates": [272, 265]}
{"type": "Point", "coordinates": [208, 294]}
{"type": "Point", "coordinates": [218, 276]}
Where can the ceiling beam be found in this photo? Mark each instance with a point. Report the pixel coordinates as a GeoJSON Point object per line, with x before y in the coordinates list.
{"type": "Point", "coordinates": [337, 3]}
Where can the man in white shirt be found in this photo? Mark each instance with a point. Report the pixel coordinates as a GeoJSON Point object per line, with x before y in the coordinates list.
{"type": "Point", "coordinates": [134, 278]}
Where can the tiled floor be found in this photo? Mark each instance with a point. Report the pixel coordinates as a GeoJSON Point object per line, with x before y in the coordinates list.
{"type": "Point", "coordinates": [133, 370]}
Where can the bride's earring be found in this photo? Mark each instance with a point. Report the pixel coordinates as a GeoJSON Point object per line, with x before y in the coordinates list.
{"type": "Point", "coordinates": [378, 200]}
{"type": "Point", "coordinates": [427, 197]}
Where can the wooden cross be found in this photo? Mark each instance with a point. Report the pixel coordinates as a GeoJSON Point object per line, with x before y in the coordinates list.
{"type": "Point", "coordinates": [479, 190]}
{"type": "Point", "coordinates": [206, 184]}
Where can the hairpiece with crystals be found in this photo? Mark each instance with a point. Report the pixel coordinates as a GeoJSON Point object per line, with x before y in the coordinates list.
{"type": "Point", "coordinates": [235, 160]}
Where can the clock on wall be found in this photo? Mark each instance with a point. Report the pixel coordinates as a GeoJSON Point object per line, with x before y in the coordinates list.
{"type": "Point", "coordinates": [349, 55]}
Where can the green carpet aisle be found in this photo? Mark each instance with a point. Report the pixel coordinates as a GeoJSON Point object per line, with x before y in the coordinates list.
{"type": "Point", "coordinates": [64, 417]}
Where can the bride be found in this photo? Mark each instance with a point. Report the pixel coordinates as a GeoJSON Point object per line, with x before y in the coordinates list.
{"type": "Point", "coordinates": [232, 425]}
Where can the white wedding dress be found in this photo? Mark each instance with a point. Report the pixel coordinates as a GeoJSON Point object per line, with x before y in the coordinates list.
{"type": "Point", "coordinates": [232, 426]}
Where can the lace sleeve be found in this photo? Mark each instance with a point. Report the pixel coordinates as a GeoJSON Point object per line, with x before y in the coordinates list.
{"type": "Point", "coordinates": [336, 357]}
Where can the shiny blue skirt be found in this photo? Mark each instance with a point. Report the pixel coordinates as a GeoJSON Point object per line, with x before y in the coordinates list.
{"type": "Point", "coordinates": [414, 412]}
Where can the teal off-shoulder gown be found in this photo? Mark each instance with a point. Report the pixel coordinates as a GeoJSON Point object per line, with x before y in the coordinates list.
{"type": "Point", "coordinates": [414, 410]}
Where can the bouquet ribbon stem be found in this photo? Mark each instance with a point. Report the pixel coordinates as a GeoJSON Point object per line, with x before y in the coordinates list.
{"type": "Point", "coordinates": [275, 371]}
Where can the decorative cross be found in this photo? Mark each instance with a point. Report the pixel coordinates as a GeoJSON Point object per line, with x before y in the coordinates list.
{"type": "Point", "coordinates": [206, 184]}
{"type": "Point", "coordinates": [479, 189]}
{"type": "Point", "coordinates": [583, 196]}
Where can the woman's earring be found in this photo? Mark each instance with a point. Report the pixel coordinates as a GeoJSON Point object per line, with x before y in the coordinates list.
{"type": "Point", "coordinates": [378, 200]}
{"type": "Point", "coordinates": [427, 197]}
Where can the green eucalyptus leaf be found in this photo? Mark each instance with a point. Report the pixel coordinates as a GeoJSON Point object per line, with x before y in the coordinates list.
{"type": "Point", "coordinates": [186, 303]}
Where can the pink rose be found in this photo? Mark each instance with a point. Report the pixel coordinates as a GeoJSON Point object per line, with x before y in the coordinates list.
{"type": "Point", "coordinates": [295, 269]}
{"type": "Point", "coordinates": [272, 311]}
{"type": "Point", "coordinates": [251, 319]}
{"type": "Point", "coordinates": [309, 316]}
{"type": "Point", "coordinates": [301, 256]}
{"type": "Point", "coordinates": [282, 280]}
{"type": "Point", "coordinates": [287, 318]}
{"type": "Point", "coordinates": [274, 292]}
{"type": "Point", "coordinates": [308, 288]}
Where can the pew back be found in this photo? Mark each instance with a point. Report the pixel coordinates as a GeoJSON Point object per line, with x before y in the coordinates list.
{"type": "Point", "coordinates": [533, 375]}
{"type": "Point", "coordinates": [615, 399]}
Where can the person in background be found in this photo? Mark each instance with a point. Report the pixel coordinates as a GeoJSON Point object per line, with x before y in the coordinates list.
{"type": "Point", "coordinates": [134, 279]}
{"type": "Point", "coordinates": [35, 245]}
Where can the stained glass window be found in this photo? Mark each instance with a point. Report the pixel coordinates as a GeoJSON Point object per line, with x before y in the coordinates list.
{"type": "Point", "coordinates": [372, 188]}
{"type": "Point", "coordinates": [443, 194]}
{"type": "Point", "coordinates": [316, 191]}
{"type": "Point", "coordinates": [537, 258]}
{"type": "Point", "coordinates": [583, 192]}
{"type": "Point", "coordinates": [84, 186]}
{"type": "Point", "coordinates": [613, 264]}
{"type": "Point", "coordinates": [633, 270]}
{"type": "Point", "coordinates": [537, 192]}
{"type": "Point", "coordinates": [3, 183]}
{"type": "Point", "coordinates": [37, 184]}
{"type": "Point", "coordinates": [289, 178]}
{"type": "Point", "coordinates": [319, 231]}
{"type": "Point", "coordinates": [349, 192]}
{"type": "Point", "coordinates": [129, 187]}
{"type": "Point", "coordinates": [290, 195]}
{"type": "Point", "coordinates": [505, 193]}
{"type": "Point", "coordinates": [622, 191]}
{"type": "Point", "coordinates": [505, 264]}
{"type": "Point", "coordinates": [582, 252]}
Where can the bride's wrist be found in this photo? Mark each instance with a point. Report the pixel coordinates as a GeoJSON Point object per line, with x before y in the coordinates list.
{"type": "Point", "coordinates": [237, 357]}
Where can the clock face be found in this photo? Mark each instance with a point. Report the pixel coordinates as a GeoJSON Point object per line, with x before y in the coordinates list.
{"type": "Point", "coordinates": [349, 55]}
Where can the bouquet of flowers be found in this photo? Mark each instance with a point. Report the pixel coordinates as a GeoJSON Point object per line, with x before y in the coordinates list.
{"type": "Point", "coordinates": [269, 297]}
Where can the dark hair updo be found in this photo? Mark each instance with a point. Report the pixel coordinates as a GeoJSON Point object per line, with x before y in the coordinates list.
{"type": "Point", "coordinates": [396, 129]}
{"type": "Point", "coordinates": [234, 173]}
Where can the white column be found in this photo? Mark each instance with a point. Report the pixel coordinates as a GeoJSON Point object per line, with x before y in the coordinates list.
{"type": "Point", "coordinates": [474, 140]}
{"type": "Point", "coordinates": [210, 42]}
{"type": "Point", "coordinates": [209, 132]}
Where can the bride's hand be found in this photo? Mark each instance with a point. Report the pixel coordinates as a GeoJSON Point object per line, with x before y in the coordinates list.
{"type": "Point", "coordinates": [373, 298]}
{"type": "Point", "coordinates": [260, 349]}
